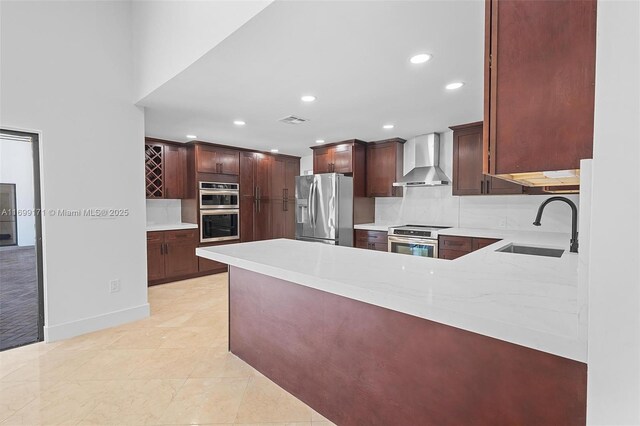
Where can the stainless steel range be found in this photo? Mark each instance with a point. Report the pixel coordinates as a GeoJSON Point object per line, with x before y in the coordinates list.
{"type": "Point", "coordinates": [415, 240]}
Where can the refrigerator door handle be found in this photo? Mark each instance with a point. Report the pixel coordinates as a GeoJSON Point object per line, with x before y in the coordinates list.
{"type": "Point", "coordinates": [312, 203]}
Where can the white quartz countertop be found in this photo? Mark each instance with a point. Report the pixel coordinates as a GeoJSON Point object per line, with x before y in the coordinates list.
{"type": "Point", "coordinates": [170, 226]}
{"type": "Point", "coordinates": [374, 226]}
{"type": "Point", "coordinates": [527, 300]}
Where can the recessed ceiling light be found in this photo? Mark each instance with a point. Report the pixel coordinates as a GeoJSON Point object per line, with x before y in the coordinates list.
{"type": "Point", "coordinates": [308, 98]}
{"type": "Point", "coordinates": [239, 123]}
{"type": "Point", "coordinates": [274, 150]}
{"type": "Point", "coordinates": [192, 137]}
{"type": "Point", "coordinates": [388, 126]}
{"type": "Point", "coordinates": [420, 59]}
{"type": "Point", "coordinates": [454, 86]}
{"type": "Point", "coordinates": [319, 140]}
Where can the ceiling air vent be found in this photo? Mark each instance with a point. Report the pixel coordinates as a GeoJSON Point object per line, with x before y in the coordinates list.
{"type": "Point", "coordinates": [292, 119]}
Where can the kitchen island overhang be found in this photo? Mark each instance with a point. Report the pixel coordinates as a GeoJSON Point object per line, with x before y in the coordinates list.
{"type": "Point", "coordinates": [356, 361]}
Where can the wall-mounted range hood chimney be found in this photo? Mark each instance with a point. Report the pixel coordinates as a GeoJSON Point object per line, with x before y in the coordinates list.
{"type": "Point", "coordinates": [421, 159]}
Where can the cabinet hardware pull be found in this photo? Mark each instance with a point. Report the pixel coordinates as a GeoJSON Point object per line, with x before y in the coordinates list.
{"type": "Point", "coordinates": [488, 183]}
{"type": "Point", "coordinates": [166, 248]}
{"type": "Point", "coordinates": [482, 186]}
{"type": "Point", "coordinates": [162, 249]}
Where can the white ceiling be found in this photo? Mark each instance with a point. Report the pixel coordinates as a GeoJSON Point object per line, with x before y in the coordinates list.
{"type": "Point", "coordinates": [352, 55]}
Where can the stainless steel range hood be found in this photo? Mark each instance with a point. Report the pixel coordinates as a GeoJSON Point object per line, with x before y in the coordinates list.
{"type": "Point", "coordinates": [421, 159]}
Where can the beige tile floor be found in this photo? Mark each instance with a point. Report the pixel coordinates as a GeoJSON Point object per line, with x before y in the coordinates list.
{"type": "Point", "coordinates": [172, 368]}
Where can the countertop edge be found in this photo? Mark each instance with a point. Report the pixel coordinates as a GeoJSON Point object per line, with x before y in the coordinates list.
{"type": "Point", "coordinates": [563, 346]}
{"type": "Point", "coordinates": [170, 226]}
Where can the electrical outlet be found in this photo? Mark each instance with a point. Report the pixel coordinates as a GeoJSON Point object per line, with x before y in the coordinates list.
{"type": "Point", "coordinates": [502, 222]}
{"type": "Point", "coordinates": [114, 286]}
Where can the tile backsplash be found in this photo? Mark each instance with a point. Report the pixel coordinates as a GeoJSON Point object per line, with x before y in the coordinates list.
{"type": "Point", "coordinates": [437, 206]}
{"type": "Point", "coordinates": [163, 211]}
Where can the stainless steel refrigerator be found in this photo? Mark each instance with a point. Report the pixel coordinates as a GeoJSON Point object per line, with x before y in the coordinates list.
{"type": "Point", "coordinates": [324, 209]}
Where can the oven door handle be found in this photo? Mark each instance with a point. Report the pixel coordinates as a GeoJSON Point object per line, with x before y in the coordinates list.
{"type": "Point", "coordinates": [218, 192]}
{"type": "Point", "coordinates": [395, 239]}
{"type": "Point", "coordinates": [221, 211]}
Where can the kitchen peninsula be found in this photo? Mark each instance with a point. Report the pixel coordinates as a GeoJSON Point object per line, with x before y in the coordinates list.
{"type": "Point", "coordinates": [381, 338]}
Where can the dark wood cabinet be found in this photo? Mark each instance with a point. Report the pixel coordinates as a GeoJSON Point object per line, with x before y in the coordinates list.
{"type": "Point", "coordinates": [322, 160]}
{"type": "Point", "coordinates": [165, 169]}
{"type": "Point", "coordinates": [180, 252]}
{"type": "Point", "coordinates": [453, 247]}
{"type": "Point", "coordinates": [282, 200]}
{"type": "Point", "coordinates": [468, 176]}
{"type": "Point", "coordinates": [384, 167]}
{"type": "Point", "coordinates": [539, 88]}
{"type": "Point", "coordinates": [267, 189]}
{"type": "Point", "coordinates": [346, 157]}
{"type": "Point", "coordinates": [171, 254]}
{"type": "Point", "coordinates": [371, 240]}
{"type": "Point", "coordinates": [211, 266]}
{"type": "Point", "coordinates": [217, 160]}
{"type": "Point", "coordinates": [175, 171]}
{"type": "Point", "coordinates": [155, 256]}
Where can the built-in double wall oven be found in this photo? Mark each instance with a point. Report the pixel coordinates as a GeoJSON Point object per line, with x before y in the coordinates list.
{"type": "Point", "coordinates": [219, 211]}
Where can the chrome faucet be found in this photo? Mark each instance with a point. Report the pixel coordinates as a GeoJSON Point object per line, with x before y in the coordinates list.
{"type": "Point", "coordinates": [574, 219]}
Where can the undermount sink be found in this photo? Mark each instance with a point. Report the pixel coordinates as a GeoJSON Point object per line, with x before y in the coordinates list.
{"type": "Point", "coordinates": [530, 250]}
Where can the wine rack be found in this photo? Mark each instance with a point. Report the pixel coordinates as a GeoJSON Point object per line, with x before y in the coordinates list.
{"type": "Point", "coordinates": [153, 170]}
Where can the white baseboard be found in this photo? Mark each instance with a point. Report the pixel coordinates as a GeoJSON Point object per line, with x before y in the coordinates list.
{"type": "Point", "coordinates": [86, 325]}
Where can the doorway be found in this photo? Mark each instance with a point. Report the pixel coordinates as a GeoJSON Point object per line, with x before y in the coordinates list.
{"type": "Point", "coordinates": [21, 279]}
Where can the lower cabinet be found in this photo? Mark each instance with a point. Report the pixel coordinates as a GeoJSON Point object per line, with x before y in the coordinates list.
{"type": "Point", "coordinates": [371, 240]}
{"type": "Point", "coordinates": [171, 254]}
{"type": "Point", "coordinates": [454, 247]}
{"type": "Point", "coordinates": [211, 266]}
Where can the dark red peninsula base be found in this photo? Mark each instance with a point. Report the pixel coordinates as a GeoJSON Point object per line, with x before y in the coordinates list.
{"type": "Point", "coordinates": [359, 364]}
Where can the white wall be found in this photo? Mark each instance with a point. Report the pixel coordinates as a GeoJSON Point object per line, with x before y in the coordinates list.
{"type": "Point", "coordinates": [614, 288]}
{"type": "Point", "coordinates": [66, 71]}
{"type": "Point", "coordinates": [306, 165]}
{"type": "Point", "coordinates": [437, 206]}
{"type": "Point", "coordinates": [170, 35]}
{"type": "Point", "coordinates": [16, 166]}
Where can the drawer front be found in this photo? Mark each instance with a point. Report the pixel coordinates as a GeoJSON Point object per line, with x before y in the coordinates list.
{"type": "Point", "coordinates": [182, 235]}
{"type": "Point", "coordinates": [451, 254]}
{"type": "Point", "coordinates": [155, 237]}
{"type": "Point", "coordinates": [455, 243]}
{"type": "Point", "coordinates": [371, 236]}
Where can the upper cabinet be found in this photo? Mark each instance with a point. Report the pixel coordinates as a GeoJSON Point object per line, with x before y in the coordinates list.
{"type": "Point", "coordinates": [217, 160]}
{"type": "Point", "coordinates": [468, 178]}
{"type": "Point", "coordinates": [165, 170]}
{"type": "Point", "coordinates": [384, 167]}
{"type": "Point", "coordinates": [347, 157]}
{"type": "Point", "coordinates": [539, 89]}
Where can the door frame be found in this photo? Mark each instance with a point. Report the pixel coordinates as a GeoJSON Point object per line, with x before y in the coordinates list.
{"type": "Point", "coordinates": [37, 200]}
